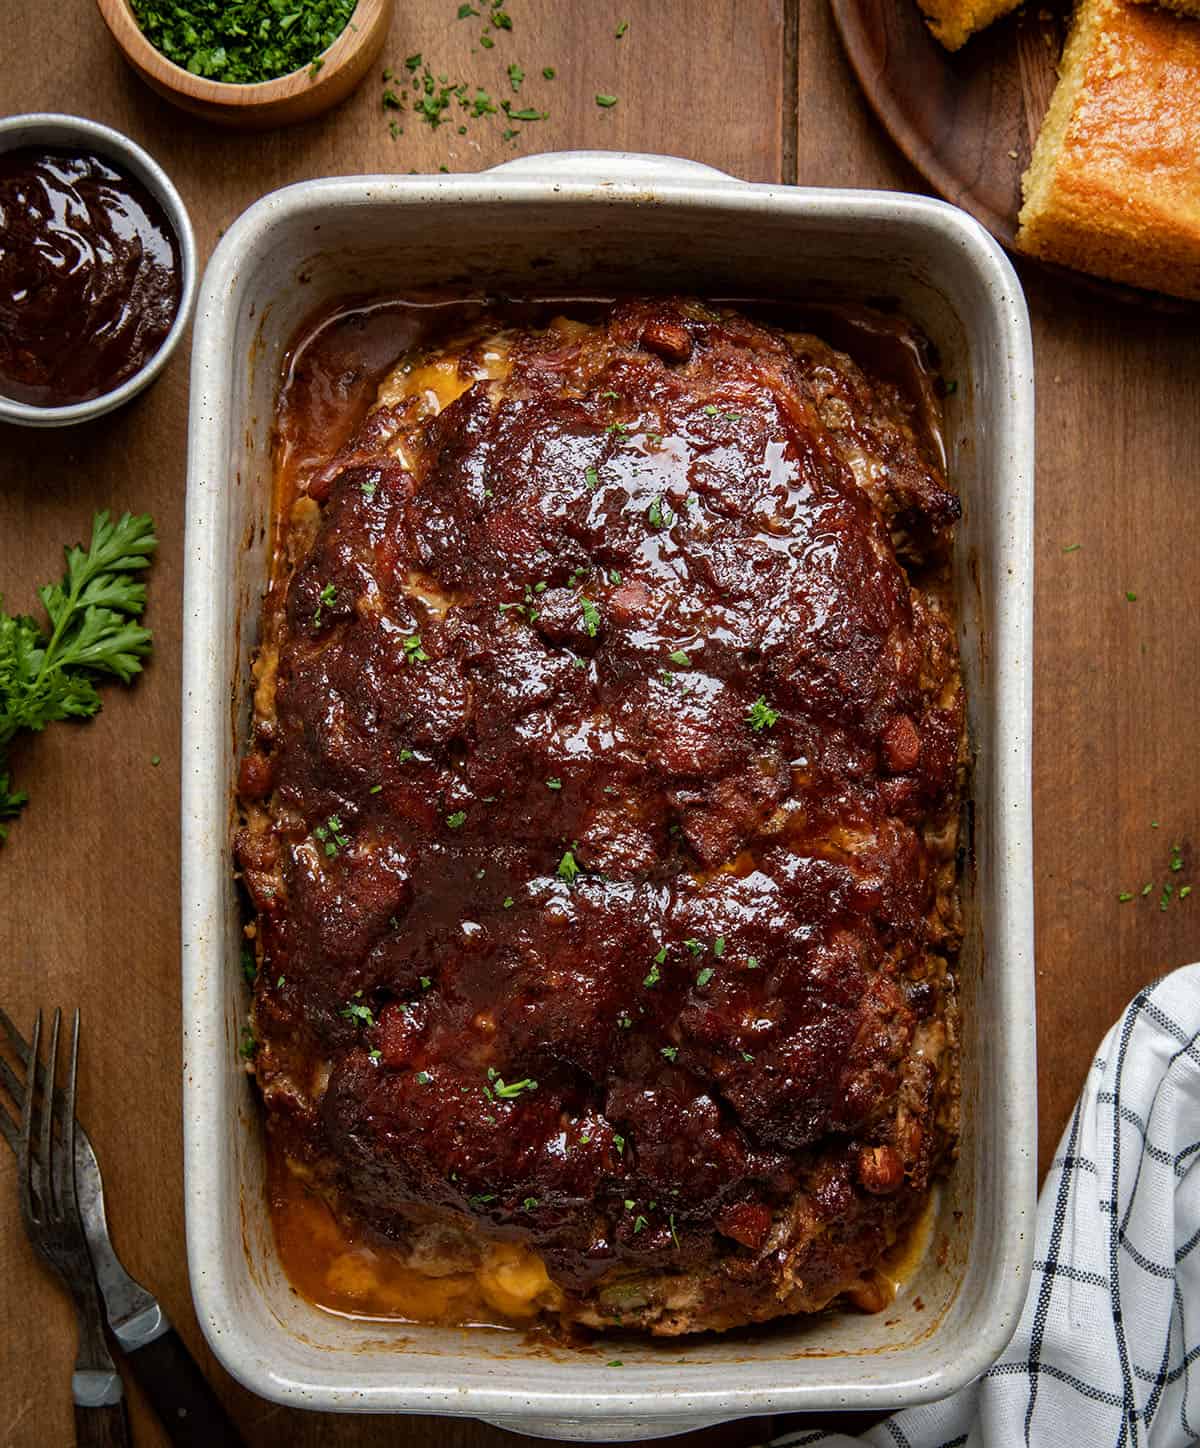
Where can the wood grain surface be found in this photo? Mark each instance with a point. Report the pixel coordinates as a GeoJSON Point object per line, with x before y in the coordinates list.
{"type": "Point", "coordinates": [89, 879]}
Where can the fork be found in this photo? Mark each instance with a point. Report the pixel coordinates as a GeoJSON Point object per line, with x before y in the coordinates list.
{"type": "Point", "coordinates": [185, 1402]}
{"type": "Point", "coordinates": [50, 1212]}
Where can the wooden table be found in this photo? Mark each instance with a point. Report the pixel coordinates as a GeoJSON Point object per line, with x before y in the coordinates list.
{"type": "Point", "coordinates": [89, 880]}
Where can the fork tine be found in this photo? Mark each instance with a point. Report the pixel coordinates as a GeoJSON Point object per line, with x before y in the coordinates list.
{"type": "Point", "coordinates": [65, 1163]}
{"type": "Point", "coordinates": [50, 1203]}
{"type": "Point", "coordinates": [23, 1151]}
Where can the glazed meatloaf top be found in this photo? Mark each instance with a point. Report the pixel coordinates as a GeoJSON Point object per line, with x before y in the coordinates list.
{"type": "Point", "coordinates": [600, 816]}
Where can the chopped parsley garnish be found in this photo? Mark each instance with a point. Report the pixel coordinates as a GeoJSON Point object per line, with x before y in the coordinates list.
{"type": "Point", "coordinates": [591, 616]}
{"type": "Point", "coordinates": [625, 1020]}
{"type": "Point", "coordinates": [515, 75]}
{"type": "Point", "coordinates": [614, 576]}
{"type": "Point", "coordinates": [508, 1091]}
{"type": "Point", "coordinates": [1176, 857]}
{"type": "Point", "coordinates": [413, 652]}
{"type": "Point", "coordinates": [332, 835]}
{"type": "Point", "coordinates": [481, 1199]}
{"type": "Point", "coordinates": [376, 789]}
{"type": "Point", "coordinates": [325, 599]}
{"type": "Point", "coordinates": [528, 113]}
{"type": "Point", "coordinates": [695, 946]}
{"type": "Point", "coordinates": [606, 102]}
{"type": "Point", "coordinates": [761, 716]}
{"type": "Point", "coordinates": [719, 946]}
{"type": "Point", "coordinates": [529, 1203]}
{"type": "Point", "coordinates": [639, 1224]}
{"type": "Point", "coordinates": [246, 43]}
{"type": "Point", "coordinates": [375, 1055]}
{"type": "Point", "coordinates": [660, 514]}
{"type": "Point", "coordinates": [425, 982]}
{"type": "Point", "coordinates": [660, 958]}
{"type": "Point", "coordinates": [653, 976]}
{"type": "Point", "coordinates": [279, 983]}
{"type": "Point", "coordinates": [508, 902]}
{"type": "Point", "coordinates": [705, 975]}
{"type": "Point", "coordinates": [1130, 596]}
{"type": "Point", "coordinates": [1184, 891]}
{"type": "Point", "coordinates": [464, 11]}
{"type": "Point", "coordinates": [406, 755]}
{"type": "Point", "coordinates": [619, 1143]}
{"type": "Point", "coordinates": [746, 1056]}
{"type": "Point", "coordinates": [457, 819]}
{"type": "Point", "coordinates": [1072, 547]}
{"type": "Point", "coordinates": [1125, 895]}
{"type": "Point", "coordinates": [249, 1046]}
{"type": "Point", "coordinates": [680, 658]}
{"type": "Point", "coordinates": [568, 868]}
{"type": "Point", "coordinates": [249, 968]}
{"type": "Point", "coordinates": [554, 784]}
{"type": "Point", "coordinates": [752, 963]}
{"type": "Point", "coordinates": [422, 1078]}
{"type": "Point", "coordinates": [548, 72]}
{"type": "Point", "coordinates": [621, 29]}
{"type": "Point", "coordinates": [356, 1011]}
{"type": "Point", "coordinates": [670, 1052]}
{"type": "Point", "coordinates": [593, 478]}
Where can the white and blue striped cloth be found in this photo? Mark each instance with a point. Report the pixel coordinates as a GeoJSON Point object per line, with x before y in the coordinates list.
{"type": "Point", "coordinates": [1106, 1347]}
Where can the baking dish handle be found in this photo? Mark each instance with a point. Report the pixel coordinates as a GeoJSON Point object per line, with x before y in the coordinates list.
{"type": "Point", "coordinates": [607, 167]}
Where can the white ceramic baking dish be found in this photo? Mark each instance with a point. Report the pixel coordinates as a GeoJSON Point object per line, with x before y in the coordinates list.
{"type": "Point", "coordinates": [597, 224]}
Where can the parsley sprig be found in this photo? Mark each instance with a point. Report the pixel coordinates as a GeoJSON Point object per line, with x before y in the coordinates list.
{"type": "Point", "coordinates": [92, 613]}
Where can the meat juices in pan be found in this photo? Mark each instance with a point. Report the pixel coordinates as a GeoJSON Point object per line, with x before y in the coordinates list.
{"type": "Point", "coordinates": [600, 821]}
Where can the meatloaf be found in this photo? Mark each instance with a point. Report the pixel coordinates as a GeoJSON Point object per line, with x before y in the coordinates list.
{"type": "Point", "coordinates": [599, 818]}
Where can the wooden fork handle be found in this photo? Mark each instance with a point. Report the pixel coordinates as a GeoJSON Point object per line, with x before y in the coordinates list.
{"type": "Point", "coordinates": [103, 1427]}
{"type": "Point", "coordinates": [190, 1412]}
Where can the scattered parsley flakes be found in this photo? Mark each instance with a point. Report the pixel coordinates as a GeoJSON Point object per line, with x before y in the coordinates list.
{"type": "Point", "coordinates": [680, 658]}
{"type": "Point", "coordinates": [508, 902]}
{"type": "Point", "coordinates": [593, 478]}
{"type": "Point", "coordinates": [466, 11]}
{"type": "Point", "coordinates": [752, 963]}
{"type": "Point", "coordinates": [375, 1055]}
{"type": "Point", "coordinates": [554, 784]}
{"type": "Point", "coordinates": [659, 514]}
{"type": "Point", "coordinates": [413, 652]}
{"type": "Point", "coordinates": [746, 1056]}
{"type": "Point", "coordinates": [639, 1224]}
{"type": "Point", "coordinates": [568, 868]}
{"type": "Point", "coordinates": [422, 1078]}
{"type": "Point", "coordinates": [695, 946]}
{"type": "Point", "coordinates": [1176, 858]}
{"type": "Point", "coordinates": [606, 103]}
{"type": "Point", "coordinates": [719, 946]}
{"type": "Point", "coordinates": [529, 1203]}
{"type": "Point", "coordinates": [548, 72]}
{"type": "Point", "coordinates": [249, 965]}
{"type": "Point", "coordinates": [356, 1011]}
{"type": "Point", "coordinates": [515, 76]}
{"type": "Point", "coordinates": [1125, 895]}
{"type": "Point", "coordinates": [1184, 891]}
{"type": "Point", "coordinates": [670, 1052]}
{"type": "Point", "coordinates": [376, 789]}
{"type": "Point", "coordinates": [155, 760]}
{"type": "Point", "coordinates": [619, 1143]}
{"type": "Point", "coordinates": [761, 716]}
{"type": "Point", "coordinates": [332, 836]}
{"type": "Point", "coordinates": [325, 599]}
{"type": "Point", "coordinates": [705, 976]}
{"type": "Point", "coordinates": [621, 29]}
{"type": "Point", "coordinates": [508, 1091]}
{"type": "Point", "coordinates": [1072, 547]}
{"type": "Point", "coordinates": [1130, 596]}
{"type": "Point", "coordinates": [591, 616]}
{"type": "Point", "coordinates": [654, 975]}
{"type": "Point", "coordinates": [616, 1363]}
{"type": "Point", "coordinates": [248, 1047]}
{"type": "Point", "coordinates": [457, 819]}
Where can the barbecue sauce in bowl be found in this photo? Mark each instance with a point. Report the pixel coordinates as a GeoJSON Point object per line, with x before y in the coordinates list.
{"type": "Point", "coordinates": [90, 276]}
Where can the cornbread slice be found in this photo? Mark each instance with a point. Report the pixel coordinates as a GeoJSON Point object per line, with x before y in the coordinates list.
{"type": "Point", "coordinates": [1114, 185]}
{"type": "Point", "coordinates": [1185, 7]}
{"type": "Point", "coordinates": [954, 21]}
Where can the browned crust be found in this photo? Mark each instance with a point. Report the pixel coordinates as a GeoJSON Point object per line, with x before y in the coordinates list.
{"type": "Point", "coordinates": [1114, 186]}
{"type": "Point", "coordinates": [953, 22]}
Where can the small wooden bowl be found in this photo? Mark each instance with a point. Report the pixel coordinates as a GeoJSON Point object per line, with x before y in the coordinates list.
{"type": "Point", "coordinates": [291, 98]}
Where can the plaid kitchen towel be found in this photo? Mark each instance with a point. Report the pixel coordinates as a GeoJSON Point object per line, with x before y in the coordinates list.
{"type": "Point", "coordinates": [1105, 1349]}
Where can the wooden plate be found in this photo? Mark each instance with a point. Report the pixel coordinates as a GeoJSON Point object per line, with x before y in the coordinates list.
{"type": "Point", "coordinates": [968, 121]}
